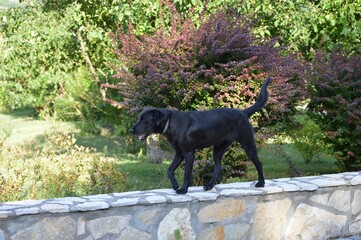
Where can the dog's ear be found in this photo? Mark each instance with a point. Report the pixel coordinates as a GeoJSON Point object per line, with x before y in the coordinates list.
{"type": "Point", "coordinates": [158, 116]}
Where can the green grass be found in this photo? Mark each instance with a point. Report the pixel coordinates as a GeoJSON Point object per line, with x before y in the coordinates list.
{"type": "Point", "coordinates": [20, 127]}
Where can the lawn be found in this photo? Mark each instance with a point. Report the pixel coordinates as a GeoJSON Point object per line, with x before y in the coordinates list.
{"type": "Point", "coordinates": [19, 128]}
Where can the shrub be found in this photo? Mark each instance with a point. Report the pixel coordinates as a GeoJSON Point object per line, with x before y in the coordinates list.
{"type": "Point", "coordinates": [219, 64]}
{"type": "Point", "coordinates": [43, 52]}
{"type": "Point", "coordinates": [308, 137]}
{"type": "Point", "coordinates": [336, 103]}
{"type": "Point", "coordinates": [60, 168]}
{"type": "Point", "coordinates": [304, 24]}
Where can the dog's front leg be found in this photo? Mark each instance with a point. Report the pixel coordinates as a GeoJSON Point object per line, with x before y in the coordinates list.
{"type": "Point", "coordinates": [178, 158]}
{"type": "Point", "coordinates": [189, 159]}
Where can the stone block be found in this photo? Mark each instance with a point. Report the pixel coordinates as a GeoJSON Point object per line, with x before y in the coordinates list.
{"type": "Point", "coordinates": [147, 216]}
{"type": "Point", "coordinates": [320, 198]}
{"type": "Point", "coordinates": [236, 231]}
{"type": "Point", "coordinates": [90, 206]}
{"type": "Point", "coordinates": [55, 208]}
{"type": "Point", "coordinates": [356, 203]}
{"type": "Point", "coordinates": [155, 199]}
{"type": "Point", "coordinates": [270, 219]}
{"type": "Point", "coordinates": [355, 226]}
{"type": "Point", "coordinates": [224, 209]}
{"type": "Point", "coordinates": [125, 202]}
{"type": "Point", "coordinates": [134, 234]}
{"type": "Point", "coordinates": [213, 233]}
{"type": "Point", "coordinates": [108, 225]}
{"type": "Point", "coordinates": [51, 228]}
{"type": "Point", "coordinates": [203, 196]}
{"type": "Point", "coordinates": [356, 180]}
{"type": "Point", "coordinates": [340, 200]}
{"type": "Point", "coordinates": [178, 220]}
{"type": "Point", "coordinates": [240, 192]}
{"type": "Point", "coordinates": [314, 223]}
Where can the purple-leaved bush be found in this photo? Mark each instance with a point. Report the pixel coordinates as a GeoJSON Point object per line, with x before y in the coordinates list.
{"type": "Point", "coordinates": [336, 104]}
{"type": "Point", "coordinates": [219, 64]}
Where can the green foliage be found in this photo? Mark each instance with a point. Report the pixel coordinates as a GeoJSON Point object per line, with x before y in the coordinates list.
{"type": "Point", "coordinates": [308, 138]}
{"type": "Point", "coordinates": [304, 25]}
{"type": "Point", "coordinates": [336, 103]}
{"type": "Point", "coordinates": [60, 168]}
{"type": "Point", "coordinates": [46, 53]}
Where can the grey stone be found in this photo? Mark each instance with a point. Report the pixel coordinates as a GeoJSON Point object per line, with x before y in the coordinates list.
{"type": "Point", "coordinates": [70, 199]}
{"type": "Point", "coordinates": [147, 216]}
{"type": "Point", "coordinates": [234, 185]}
{"type": "Point", "coordinates": [240, 192]}
{"type": "Point", "coordinates": [52, 228]}
{"type": "Point", "coordinates": [80, 230]}
{"type": "Point", "coordinates": [356, 203]}
{"type": "Point", "coordinates": [177, 220]}
{"type": "Point", "coordinates": [90, 206]}
{"type": "Point", "coordinates": [126, 194]}
{"type": "Point", "coordinates": [287, 187]}
{"type": "Point", "coordinates": [356, 180]}
{"type": "Point", "coordinates": [179, 198]}
{"type": "Point", "coordinates": [355, 226]}
{"type": "Point", "coordinates": [155, 199]}
{"type": "Point", "coordinates": [125, 202]}
{"type": "Point", "coordinates": [328, 182]}
{"type": "Point", "coordinates": [308, 221]}
{"type": "Point", "coordinates": [272, 189]}
{"type": "Point", "coordinates": [55, 208]}
{"type": "Point", "coordinates": [26, 211]}
{"type": "Point", "coordinates": [134, 234]}
{"type": "Point", "coordinates": [4, 214]}
{"type": "Point", "coordinates": [204, 196]}
{"type": "Point", "coordinates": [108, 225]}
{"type": "Point", "coordinates": [340, 200]}
{"type": "Point", "coordinates": [304, 186]}
{"type": "Point", "coordinates": [236, 231]}
{"type": "Point", "coordinates": [320, 198]}
{"type": "Point", "coordinates": [101, 197]}
{"type": "Point", "coordinates": [2, 237]}
{"type": "Point", "coordinates": [27, 203]}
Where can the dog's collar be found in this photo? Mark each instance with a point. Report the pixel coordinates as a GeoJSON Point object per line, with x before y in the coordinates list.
{"type": "Point", "coordinates": [166, 126]}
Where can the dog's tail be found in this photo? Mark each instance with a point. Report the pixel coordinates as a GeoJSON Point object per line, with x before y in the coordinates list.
{"type": "Point", "coordinates": [261, 101]}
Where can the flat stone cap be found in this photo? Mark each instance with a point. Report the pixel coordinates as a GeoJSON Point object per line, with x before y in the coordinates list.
{"type": "Point", "coordinates": [157, 196]}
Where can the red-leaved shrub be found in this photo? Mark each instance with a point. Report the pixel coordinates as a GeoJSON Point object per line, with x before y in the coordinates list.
{"type": "Point", "coordinates": [219, 64]}
{"type": "Point", "coordinates": [336, 104]}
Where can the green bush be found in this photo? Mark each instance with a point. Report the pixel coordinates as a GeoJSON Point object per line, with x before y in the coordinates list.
{"type": "Point", "coordinates": [58, 169]}
{"type": "Point", "coordinates": [308, 138]}
{"type": "Point", "coordinates": [44, 54]}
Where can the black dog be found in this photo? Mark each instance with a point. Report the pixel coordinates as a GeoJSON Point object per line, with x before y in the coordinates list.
{"type": "Point", "coordinates": [188, 131]}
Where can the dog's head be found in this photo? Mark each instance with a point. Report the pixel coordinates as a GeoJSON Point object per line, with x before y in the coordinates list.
{"type": "Point", "coordinates": [150, 120]}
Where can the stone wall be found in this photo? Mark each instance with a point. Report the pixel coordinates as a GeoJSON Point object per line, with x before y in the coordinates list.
{"type": "Point", "coordinates": [321, 207]}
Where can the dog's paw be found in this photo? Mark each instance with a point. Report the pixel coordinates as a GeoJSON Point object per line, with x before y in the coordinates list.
{"type": "Point", "coordinates": [260, 184]}
{"type": "Point", "coordinates": [175, 187]}
{"type": "Point", "coordinates": [207, 187]}
{"type": "Point", "coordinates": [181, 191]}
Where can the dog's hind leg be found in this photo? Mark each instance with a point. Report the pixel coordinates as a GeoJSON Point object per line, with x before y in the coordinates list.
{"type": "Point", "coordinates": [250, 148]}
{"type": "Point", "coordinates": [178, 158]}
{"type": "Point", "coordinates": [218, 152]}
